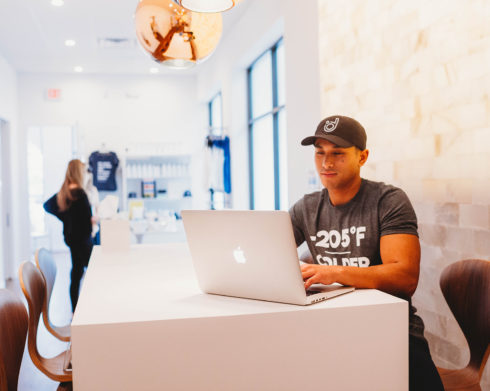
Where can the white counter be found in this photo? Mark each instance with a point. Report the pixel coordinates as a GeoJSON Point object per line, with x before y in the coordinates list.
{"type": "Point", "coordinates": [142, 324]}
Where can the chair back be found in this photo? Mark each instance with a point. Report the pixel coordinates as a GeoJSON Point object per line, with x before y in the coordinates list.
{"type": "Point", "coordinates": [34, 288]}
{"type": "Point", "coordinates": [47, 265]}
{"type": "Point", "coordinates": [466, 287]}
{"type": "Point", "coordinates": [13, 332]}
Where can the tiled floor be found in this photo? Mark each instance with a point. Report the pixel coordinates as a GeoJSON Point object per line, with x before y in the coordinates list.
{"type": "Point", "coordinates": [30, 378]}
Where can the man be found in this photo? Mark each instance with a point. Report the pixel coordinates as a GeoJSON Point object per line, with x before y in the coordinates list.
{"type": "Point", "coordinates": [361, 233]}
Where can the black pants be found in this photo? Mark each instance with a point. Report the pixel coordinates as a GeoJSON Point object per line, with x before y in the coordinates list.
{"type": "Point", "coordinates": [423, 375]}
{"type": "Point", "coordinates": [80, 256]}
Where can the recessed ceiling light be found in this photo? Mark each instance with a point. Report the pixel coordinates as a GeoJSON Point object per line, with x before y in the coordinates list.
{"type": "Point", "coordinates": [70, 42]}
{"type": "Point", "coordinates": [57, 3]}
{"type": "Point", "coordinates": [153, 70]}
{"type": "Point", "coordinates": [207, 5]}
{"type": "Point", "coordinates": [78, 69]}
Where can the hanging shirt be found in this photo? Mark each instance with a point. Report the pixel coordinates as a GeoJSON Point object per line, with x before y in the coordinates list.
{"type": "Point", "coordinates": [217, 164]}
{"type": "Point", "coordinates": [103, 166]}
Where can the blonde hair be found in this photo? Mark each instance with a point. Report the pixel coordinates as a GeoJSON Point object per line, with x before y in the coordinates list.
{"type": "Point", "coordinates": [74, 175]}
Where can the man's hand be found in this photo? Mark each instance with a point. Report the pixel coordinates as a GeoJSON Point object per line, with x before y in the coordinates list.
{"type": "Point", "coordinates": [398, 274]}
{"type": "Point", "coordinates": [318, 274]}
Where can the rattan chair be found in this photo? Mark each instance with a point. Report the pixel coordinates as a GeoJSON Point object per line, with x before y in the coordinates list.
{"type": "Point", "coordinates": [34, 287]}
{"type": "Point", "coordinates": [47, 265]}
{"type": "Point", "coordinates": [466, 287]}
{"type": "Point", "coordinates": [13, 333]}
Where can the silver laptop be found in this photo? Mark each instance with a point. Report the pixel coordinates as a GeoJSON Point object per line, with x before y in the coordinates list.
{"type": "Point", "coordinates": [250, 254]}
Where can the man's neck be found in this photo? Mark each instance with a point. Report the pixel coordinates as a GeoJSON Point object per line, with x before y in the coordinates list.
{"type": "Point", "coordinates": [341, 196]}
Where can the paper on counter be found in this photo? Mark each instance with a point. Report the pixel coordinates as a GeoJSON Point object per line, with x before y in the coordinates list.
{"type": "Point", "coordinates": [108, 207]}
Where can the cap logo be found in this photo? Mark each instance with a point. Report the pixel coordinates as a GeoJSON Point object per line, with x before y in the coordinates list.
{"type": "Point", "coordinates": [330, 126]}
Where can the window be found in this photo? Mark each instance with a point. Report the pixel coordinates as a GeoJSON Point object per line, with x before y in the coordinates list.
{"type": "Point", "coordinates": [267, 130]}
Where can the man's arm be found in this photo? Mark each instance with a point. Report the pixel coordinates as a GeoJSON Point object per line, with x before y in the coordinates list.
{"type": "Point", "coordinates": [398, 275]}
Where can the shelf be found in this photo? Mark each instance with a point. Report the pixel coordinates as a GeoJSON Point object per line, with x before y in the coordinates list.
{"type": "Point", "coordinates": [173, 199]}
{"type": "Point", "coordinates": [177, 157]}
{"type": "Point", "coordinates": [169, 171]}
{"type": "Point", "coordinates": [159, 177]}
{"type": "Point", "coordinates": [142, 156]}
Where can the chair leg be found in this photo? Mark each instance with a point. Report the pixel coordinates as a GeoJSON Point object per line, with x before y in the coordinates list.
{"type": "Point", "coordinates": [65, 386]}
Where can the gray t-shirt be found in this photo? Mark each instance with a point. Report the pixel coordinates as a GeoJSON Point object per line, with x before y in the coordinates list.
{"type": "Point", "coordinates": [349, 234]}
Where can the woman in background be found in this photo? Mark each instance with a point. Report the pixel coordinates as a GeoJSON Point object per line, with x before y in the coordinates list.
{"type": "Point", "coordinates": [72, 207]}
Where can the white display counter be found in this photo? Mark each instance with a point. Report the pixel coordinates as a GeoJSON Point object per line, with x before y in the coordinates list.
{"type": "Point", "coordinates": [143, 324]}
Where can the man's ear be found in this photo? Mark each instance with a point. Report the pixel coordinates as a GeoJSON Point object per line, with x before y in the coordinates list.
{"type": "Point", "coordinates": [363, 156]}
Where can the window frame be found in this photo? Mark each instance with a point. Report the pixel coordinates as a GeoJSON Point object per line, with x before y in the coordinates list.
{"type": "Point", "coordinates": [275, 111]}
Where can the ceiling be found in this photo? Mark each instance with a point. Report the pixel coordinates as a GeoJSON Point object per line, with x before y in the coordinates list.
{"type": "Point", "coordinates": [33, 34]}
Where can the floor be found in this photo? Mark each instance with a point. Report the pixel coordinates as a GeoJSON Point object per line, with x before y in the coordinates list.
{"type": "Point", "coordinates": [30, 378]}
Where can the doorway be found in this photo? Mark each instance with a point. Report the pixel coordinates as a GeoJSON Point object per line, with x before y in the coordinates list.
{"type": "Point", "coordinates": [49, 149]}
{"type": "Point", "coordinates": [6, 262]}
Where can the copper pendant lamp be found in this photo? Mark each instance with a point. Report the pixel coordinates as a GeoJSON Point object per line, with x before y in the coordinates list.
{"type": "Point", "coordinates": [174, 36]}
{"type": "Point", "coordinates": [207, 5]}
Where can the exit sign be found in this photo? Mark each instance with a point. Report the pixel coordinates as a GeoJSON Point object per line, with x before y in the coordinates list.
{"type": "Point", "coordinates": [53, 94]}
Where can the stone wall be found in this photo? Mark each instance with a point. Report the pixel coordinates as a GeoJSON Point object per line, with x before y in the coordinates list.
{"type": "Point", "coordinates": [416, 74]}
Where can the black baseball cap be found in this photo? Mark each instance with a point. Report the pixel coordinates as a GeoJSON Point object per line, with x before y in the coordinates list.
{"type": "Point", "coordinates": [342, 131]}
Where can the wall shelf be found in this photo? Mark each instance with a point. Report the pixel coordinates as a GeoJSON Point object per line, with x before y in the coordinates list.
{"type": "Point", "coordinates": [169, 172]}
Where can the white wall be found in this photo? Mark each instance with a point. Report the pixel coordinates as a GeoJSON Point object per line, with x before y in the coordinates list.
{"type": "Point", "coordinates": [416, 75]}
{"type": "Point", "coordinates": [116, 110]}
{"type": "Point", "coordinates": [262, 24]}
{"type": "Point", "coordinates": [9, 112]}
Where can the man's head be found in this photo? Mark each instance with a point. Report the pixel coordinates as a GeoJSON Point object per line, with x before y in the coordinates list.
{"type": "Point", "coordinates": [342, 131]}
{"type": "Point", "coordinates": [340, 151]}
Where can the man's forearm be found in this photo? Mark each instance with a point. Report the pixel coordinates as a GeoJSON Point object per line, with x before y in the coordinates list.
{"type": "Point", "coordinates": [390, 278]}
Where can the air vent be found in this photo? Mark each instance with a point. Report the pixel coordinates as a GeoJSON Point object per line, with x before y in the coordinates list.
{"type": "Point", "coordinates": [122, 43]}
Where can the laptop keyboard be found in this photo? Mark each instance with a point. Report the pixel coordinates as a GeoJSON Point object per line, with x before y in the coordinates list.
{"type": "Point", "coordinates": [310, 292]}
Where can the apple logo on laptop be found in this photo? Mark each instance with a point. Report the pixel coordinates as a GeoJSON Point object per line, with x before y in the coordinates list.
{"type": "Point", "coordinates": [239, 255]}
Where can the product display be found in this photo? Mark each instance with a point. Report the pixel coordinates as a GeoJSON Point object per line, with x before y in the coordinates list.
{"type": "Point", "coordinates": [148, 189]}
{"type": "Point", "coordinates": [163, 170]}
{"type": "Point", "coordinates": [161, 180]}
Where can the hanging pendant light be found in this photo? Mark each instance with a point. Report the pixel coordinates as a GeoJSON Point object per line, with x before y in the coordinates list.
{"type": "Point", "coordinates": [174, 36]}
{"type": "Point", "coordinates": [207, 5]}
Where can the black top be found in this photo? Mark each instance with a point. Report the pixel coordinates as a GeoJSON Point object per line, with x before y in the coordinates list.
{"type": "Point", "coordinates": [77, 224]}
